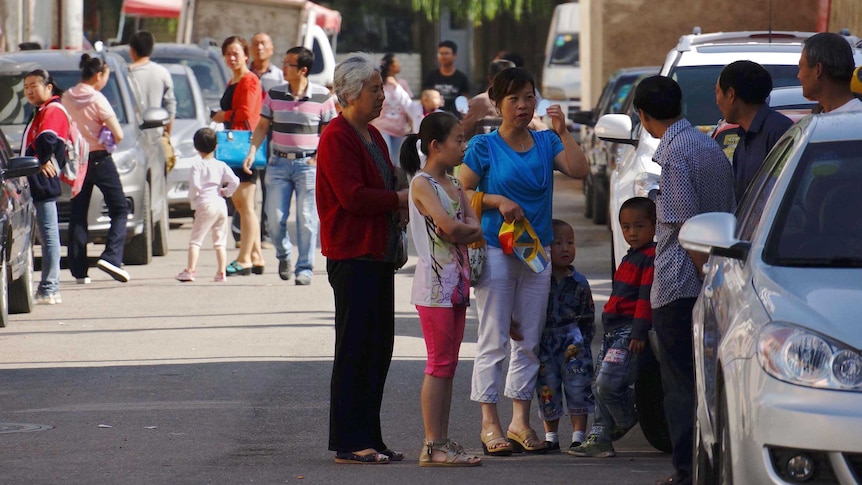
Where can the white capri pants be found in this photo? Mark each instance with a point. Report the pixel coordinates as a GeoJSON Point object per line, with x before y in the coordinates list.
{"type": "Point", "coordinates": [508, 290]}
{"type": "Point", "coordinates": [210, 216]}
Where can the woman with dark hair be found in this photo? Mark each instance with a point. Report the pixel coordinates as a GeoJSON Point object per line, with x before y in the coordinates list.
{"type": "Point", "coordinates": [45, 138]}
{"type": "Point", "coordinates": [361, 216]}
{"type": "Point", "coordinates": [240, 110]}
{"type": "Point", "coordinates": [96, 120]}
{"type": "Point", "coordinates": [394, 121]}
{"type": "Point", "coordinates": [514, 167]}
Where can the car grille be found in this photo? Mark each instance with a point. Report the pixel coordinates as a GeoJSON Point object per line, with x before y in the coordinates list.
{"type": "Point", "coordinates": [64, 209]}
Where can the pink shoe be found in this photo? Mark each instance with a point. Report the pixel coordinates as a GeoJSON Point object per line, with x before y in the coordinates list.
{"type": "Point", "coordinates": [220, 278]}
{"type": "Point", "coordinates": [186, 276]}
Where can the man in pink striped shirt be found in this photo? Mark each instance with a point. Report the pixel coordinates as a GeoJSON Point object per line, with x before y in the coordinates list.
{"type": "Point", "coordinates": [295, 113]}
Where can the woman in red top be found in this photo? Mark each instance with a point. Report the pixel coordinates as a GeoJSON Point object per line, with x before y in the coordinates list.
{"type": "Point", "coordinates": [240, 110]}
{"type": "Point", "coordinates": [361, 214]}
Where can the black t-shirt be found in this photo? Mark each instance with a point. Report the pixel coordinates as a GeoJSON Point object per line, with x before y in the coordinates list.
{"type": "Point", "coordinates": [449, 86]}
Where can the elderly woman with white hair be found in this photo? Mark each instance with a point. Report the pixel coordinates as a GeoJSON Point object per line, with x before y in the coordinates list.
{"type": "Point", "coordinates": [361, 215]}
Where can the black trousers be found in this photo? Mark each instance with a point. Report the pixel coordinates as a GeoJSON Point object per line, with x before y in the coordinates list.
{"type": "Point", "coordinates": [364, 338]}
{"type": "Point", "coordinates": [673, 327]}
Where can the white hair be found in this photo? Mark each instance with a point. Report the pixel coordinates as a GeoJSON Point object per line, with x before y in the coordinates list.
{"type": "Point", "coordinates": [351, 74]}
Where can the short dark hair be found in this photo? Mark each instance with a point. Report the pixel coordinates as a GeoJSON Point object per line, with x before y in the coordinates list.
{"type": "Point", "coordinates": [513, 57]}
{"type": "Point", "coordinates": [205, 140]}
{"type": "Point", "coordinates": [833, 51]}
{"type": "Point", "coordinates": [386, 64]}
{"type": "Point", "coordinates": [436, 126]}
{"type": "Point", "coordinates": [46, 78]}
{"type": "Point", "coordinates": [641, 204]}
{"type": "Point", "coordinates": [498, 66]}
{"type": "Point", "coordinates": [751, 82]}
{"type": "Point", "coordinates": [234, 39]}
{"type": "Point", "coordinates": [90, 66]}
{"type": "Point", "coordinates": [449, 44]}
{"type": "Point", "coordinates": [142, 43]}
{"type": "Point", "coordinates": [660, 97]}
{"type": "Point", "coordinates": [304, 57]}
{"type": "Point", "coordinates": [559, 223]}
{"type": "Point", "coordinates": [508, 81]}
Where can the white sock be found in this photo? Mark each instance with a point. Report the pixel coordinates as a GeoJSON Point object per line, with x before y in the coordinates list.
{"type": "Point", "coordinates": [552, 437]}
{"type": "Point", "coordinates": [578, 437]}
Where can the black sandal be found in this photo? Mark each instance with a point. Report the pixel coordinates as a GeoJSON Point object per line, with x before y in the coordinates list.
{"type": "Point", "coordinates": [354, 459]}
{"type": "Point", "coordinates": [393, 455]}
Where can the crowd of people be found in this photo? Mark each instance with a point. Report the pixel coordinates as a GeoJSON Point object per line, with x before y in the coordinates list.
{"type": "Point", "coordinates": [340, 152]}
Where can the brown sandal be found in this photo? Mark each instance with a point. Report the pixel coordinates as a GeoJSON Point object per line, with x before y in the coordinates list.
{"type": "Point", "coordinates": [520, 442]}
{"type": "Point", "coordinates": [455, 454]}
{"type": "Point", "coordinates": [495, 444]}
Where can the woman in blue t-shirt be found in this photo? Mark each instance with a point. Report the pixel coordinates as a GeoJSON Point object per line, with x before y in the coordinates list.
{"type": "Point", "coordinates": [514, 167]}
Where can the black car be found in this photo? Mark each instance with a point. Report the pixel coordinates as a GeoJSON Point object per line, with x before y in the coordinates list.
{"type": "Point", "coordinates": [600, 153]}
{"type": "Point", "coordinates": [17, 232]}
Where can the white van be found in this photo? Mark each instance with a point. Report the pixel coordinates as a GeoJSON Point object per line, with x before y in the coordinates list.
{"type": "Point", "coordinates": [561, 72]}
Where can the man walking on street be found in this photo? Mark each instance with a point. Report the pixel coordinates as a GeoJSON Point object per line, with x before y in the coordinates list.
{"type": "Point", "coordinates": [695, 178]}
{"type": "Point", "coordinates": [740, 93]}
{"type": "Point", "coordinates": [153, 86]}
{"type": "Point", "coordinates": [446, 79]}
{"type": "Point", "coordinates": [825, 70]}
{"type": "Point", "coordinates": [296, 112]}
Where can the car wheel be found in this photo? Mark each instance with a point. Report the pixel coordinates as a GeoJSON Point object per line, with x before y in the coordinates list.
{"type": "Point", "coordinates": [723, 451]}
{"type": "Point", "coordinates": [21, 290]}
{"type": "Point", "coordinates": [140, 249]}
{"type": "Point", "coordinates": [4, 293]}
{"type": "Point", "coordinates": [704, 472]}
{"type": "Point", "coordinates": [588, 197]}
{"type": "Point", "coordinates": [160, 233]}
{"type": "Point", "coordinates": [600, 202]}
{"type": "Point", "coordinates": [649, 399]}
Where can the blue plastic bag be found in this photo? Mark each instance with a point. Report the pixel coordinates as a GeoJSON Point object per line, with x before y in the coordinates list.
{"type": "Point", "coordinates": [233, 146]}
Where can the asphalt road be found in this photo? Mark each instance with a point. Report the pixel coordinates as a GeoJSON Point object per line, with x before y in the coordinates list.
{"type": "Point", "coordinates": [160, 382]}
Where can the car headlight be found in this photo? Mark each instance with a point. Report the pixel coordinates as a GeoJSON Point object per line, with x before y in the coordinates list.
{"type": "Point", "coordinates": [186, 149]}
{"type": "Point", "coordinates": [646, 185]}
{"type": "Point", "coordinates": [125, 161]}
{"type": "Point", "coordinates": [800, 356]}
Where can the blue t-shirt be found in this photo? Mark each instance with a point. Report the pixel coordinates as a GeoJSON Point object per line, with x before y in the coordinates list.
{"type": "Point", "coordinates": [526, 178]}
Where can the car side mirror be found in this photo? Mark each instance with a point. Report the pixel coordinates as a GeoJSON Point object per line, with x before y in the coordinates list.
{"type": "Point", "coordinates": [22, 167]}
{"type": "Point", "coordinates": [583, 118]}
{"type": "Point", "coordinates": [713, 233]}
{"type": "Point", "coordinates": [155, 118]}
{"type": "Point", "coordinates": [616, 128]}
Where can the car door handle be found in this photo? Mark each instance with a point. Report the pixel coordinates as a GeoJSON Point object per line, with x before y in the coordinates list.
{"type": "Point", "coordinates": [707, 291]}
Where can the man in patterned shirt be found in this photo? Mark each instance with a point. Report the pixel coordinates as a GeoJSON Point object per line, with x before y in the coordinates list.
{"type": "Point", "coordinates": [696, 177]}
{"type": "Point", "coordinates": [297, 112]}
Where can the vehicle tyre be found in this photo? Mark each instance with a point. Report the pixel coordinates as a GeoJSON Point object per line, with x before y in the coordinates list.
{"type": "Point", "coordinates": [723, 460]}
{"type": "Point", "coordinates": [704, 472]}
{"type": "Point", "coordinates": [160, 233]}
{"type": "Point", "coordinates": [649, 399]}
{"type": "Point", "coordinates": [600, 202]}
{"type": "Point", "coordinates": [21, 290]}
{"type": "Point", "coordinates": [588, 197]}
{"type": "Point", "coordinates": [140, 249]}
{"type": "Point", "coordinates": [4, 292]}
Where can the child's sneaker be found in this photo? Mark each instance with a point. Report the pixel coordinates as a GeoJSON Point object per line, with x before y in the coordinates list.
{"type": "Point", "coordinates": [220, 278]}
{"type": "Point", "coordinates": [594, 448]}
{"type": "Point", "coordinates": [186, 276]}
{"type": "Point", "coordinates": [48, 299]}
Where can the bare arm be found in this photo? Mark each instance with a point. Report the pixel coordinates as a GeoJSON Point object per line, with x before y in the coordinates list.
{"type": "Point", "coordinates": [571, 161]}
{"type": "Point", "coordinates": [429, 204]}
{"type": "Point", "coordinates": [469, 180]}
{"type": "Point", "coordinates": [257, 138]}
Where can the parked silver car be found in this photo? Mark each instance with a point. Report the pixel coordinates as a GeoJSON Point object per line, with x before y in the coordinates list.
{"type": "Point", "coordinates": [140, 158]}
{"type": "Point", "coordinates": [776, 334]}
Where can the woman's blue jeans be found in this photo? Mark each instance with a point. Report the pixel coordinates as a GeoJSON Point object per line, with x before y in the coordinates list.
{"type": "Point", "coordinates": [48, 225]}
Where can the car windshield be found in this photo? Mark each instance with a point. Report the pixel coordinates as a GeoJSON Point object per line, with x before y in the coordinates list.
{"type": "Point", "coordinates": [206, 71]}
{"type": "Point", "coordinates": [698, 89]}
{"type": "Point", "coordinates": [566, 50]}
{"type": "Point", "coordinates": [15, 110]}
{"type": "Point", "coordinates": [185, 97]}
{"type": "Point", "coordinates": [818, 223]}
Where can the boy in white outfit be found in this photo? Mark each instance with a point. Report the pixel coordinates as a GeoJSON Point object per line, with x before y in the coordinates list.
{"type": "Point", "coordinates": [210, 181]}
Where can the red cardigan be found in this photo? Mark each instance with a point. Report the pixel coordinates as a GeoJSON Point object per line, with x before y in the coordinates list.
{"type": "Point", "coordinates": [246, 103]}
{"type": "Point", "coordinates": [352, 200]}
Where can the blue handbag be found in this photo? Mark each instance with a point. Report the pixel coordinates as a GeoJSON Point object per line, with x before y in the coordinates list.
{"type": "Point", "coordinates": [233, 146]}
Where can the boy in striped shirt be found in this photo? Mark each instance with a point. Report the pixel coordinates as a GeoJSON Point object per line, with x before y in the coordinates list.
{"type": "Point", "coordinates": [626, 320]}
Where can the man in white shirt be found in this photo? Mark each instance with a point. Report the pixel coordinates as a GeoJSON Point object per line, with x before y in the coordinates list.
{"type": "Point", "coordinates": [825, 70]}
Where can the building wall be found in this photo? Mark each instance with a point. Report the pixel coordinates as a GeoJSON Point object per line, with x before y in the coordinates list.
{"type": "Point", "coordinates": [846, 14]}
{"type": "Point", "coordinates": [640, 32]}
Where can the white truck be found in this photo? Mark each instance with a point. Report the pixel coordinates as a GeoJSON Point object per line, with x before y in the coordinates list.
{"type": "Point", "coordinates": [290, 23]}
{"type": "Point", "coordinates": [561, 72]}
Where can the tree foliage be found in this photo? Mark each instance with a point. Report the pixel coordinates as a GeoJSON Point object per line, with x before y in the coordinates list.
{"type": "Point", "coordinates": [479, 10]}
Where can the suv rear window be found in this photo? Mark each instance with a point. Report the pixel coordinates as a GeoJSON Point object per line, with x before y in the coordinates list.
{"type": "Point", "coordinates": [566, 51]}
{"type": "Point", "coordinates": [698, 89]}
{"type": "Point", "coordinates": [206, 71]}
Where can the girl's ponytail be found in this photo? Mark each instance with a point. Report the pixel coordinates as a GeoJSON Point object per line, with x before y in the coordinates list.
{"type": "Point", "coordinates": [410, 155]}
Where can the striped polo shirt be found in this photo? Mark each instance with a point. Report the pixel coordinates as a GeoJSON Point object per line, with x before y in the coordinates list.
{"type": "Point", "coordinates": [296, 120]}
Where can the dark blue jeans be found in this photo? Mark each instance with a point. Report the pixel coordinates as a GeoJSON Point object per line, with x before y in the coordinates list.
{"type": "Point", "coordinates": [673, 326]}
{"type": "Point", "coordinates": [364, 338]}
{"type": "Point", "coordinates": [616, 372]}
{"type": "Point", "coordinates": [101, 173]}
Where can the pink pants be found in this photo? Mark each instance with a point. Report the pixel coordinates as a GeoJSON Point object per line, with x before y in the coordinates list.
{"type": "Point", "coordinates": [212, 216]}
{"type": "Point", "coordinates": [443, 329]}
